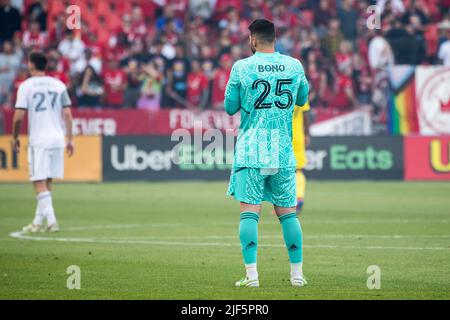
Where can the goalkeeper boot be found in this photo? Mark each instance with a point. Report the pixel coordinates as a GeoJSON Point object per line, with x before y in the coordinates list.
{"type": "Point", "coordinates": [246, 282]}
{"type": "Point", "coordinates": [298, 281]}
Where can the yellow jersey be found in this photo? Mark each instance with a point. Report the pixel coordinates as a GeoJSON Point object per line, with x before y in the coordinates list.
{"type": "Point", "coordinates": [298, 135]}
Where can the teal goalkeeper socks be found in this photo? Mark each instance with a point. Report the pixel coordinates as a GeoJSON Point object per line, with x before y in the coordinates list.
{"type": "Point", "coordinates": [292, 233]}
{"type": "Point", "coordinates": [248, 234]}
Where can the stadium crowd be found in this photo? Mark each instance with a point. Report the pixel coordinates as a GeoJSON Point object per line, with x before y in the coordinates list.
{"type": "Point", "coordinates": [150, 54]}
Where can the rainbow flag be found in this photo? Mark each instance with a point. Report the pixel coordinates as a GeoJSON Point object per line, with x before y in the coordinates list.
{"type": "Point", "coordinates": [402, 111]}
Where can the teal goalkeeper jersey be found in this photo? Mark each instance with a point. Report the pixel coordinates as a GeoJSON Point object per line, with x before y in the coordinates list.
{"type": "Point", "coordinates": [265, 88]}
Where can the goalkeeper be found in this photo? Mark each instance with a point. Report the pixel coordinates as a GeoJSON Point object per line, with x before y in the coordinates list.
{"type": "Point", "coordinates": [264, 88]}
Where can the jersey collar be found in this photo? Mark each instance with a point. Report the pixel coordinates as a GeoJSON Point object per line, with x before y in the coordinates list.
{"type": "Point", "coordinates": [258, 53]}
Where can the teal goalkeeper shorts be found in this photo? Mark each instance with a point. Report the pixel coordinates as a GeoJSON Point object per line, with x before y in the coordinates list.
{"type": "Point", "coordinates": [255, 185]}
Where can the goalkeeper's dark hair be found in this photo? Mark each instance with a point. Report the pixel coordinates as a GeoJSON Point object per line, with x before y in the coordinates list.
{"type": "Point", "coordinates": [263, 30]}
{"type": "Point", "coordinates": [39, 60]}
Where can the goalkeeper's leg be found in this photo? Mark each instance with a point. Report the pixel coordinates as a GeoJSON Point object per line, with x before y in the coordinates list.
{"type": "Point", "coordinates": [248, 235]}
{"type": "Point", "coordinates": [293, 238]}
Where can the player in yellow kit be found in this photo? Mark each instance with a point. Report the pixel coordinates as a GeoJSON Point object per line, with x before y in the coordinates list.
{"type": "Point", "coordinates": [300, 140]}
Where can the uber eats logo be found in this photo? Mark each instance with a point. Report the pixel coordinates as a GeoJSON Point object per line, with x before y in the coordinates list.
{"type": "Point", "coordinates": [341, 158]}
{"type": "Point", "coordinates": [8, 160]}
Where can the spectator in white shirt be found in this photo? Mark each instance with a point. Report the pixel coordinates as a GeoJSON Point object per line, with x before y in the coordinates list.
{"type": "Point", "coordinates": [397, 6]}
{"type": "Point", "coordinates": [380, 52]}
{"type": "Point", "coordinates": [71, 48]}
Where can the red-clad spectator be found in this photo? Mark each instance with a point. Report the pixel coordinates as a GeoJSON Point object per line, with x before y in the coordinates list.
{"type": "Point", "coordinates": [343, 58]}
{"type": "Point", "coordinates": [197, 86]}
{"type": "Point", "coordinates": [58, 67]}
{"type": "Point", "coordinates": [179, 7]}
{"type": "Point", "coordinates": [137, 26]}
{"type": "Point", "coordinates": [171, 34]}
{"type": "Point", "coordinates": [62, 64]}
{"type": "Point", "coordinates": [222, 7]}
{"type": "Point", "coordinates": [131, 30]}
{"type": "Point", "coordinates": [345, 98]}
{"type": "Point", "coordinates": [34, 38]}
{"type": "Point", "coordinates": [91, 42]}
{"type": "Point", "coordinates": [21, 77]}
{"type": "Point", "coordinates": [220, 81]}
{"type": "Point", "coordinates": [53, 72]}
{"type": "Point", "coordinates": [150, 8]}
{"type": "Point", "coordinates": [103, 34]}
{"type": "Point", "coordinates": [115, 82]}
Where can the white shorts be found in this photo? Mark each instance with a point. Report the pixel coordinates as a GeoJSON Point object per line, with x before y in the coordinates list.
{"type": "Point", "coordinates": [45, 163]}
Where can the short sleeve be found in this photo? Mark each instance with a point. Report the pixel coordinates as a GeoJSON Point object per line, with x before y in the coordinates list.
{"type": "Point", "coordinates": [21, 101]}
{"type": "Point", "coordinates": [233, 92]}
{"type": "Point", "coordinates": [303, 89]}
{"type": "Point", "coordinates": [65, 99]}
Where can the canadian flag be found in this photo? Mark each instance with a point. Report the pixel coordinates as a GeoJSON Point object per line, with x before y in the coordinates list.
{"type": "Point", "coordinates": [445, 106]}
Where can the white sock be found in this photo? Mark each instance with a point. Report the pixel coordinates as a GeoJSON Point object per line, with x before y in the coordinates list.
{"type": "Point", "coordinates": [251, 271]}
{"type": "Point", "coordinates": [296, 270]}
{"type": "Point", "coordinates": [38, 216]}
{"type": "Point", "coordinates": [45, 206]}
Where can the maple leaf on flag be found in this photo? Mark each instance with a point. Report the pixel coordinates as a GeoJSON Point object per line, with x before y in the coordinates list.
{"type": "Point", "coordinates": [445, 106]}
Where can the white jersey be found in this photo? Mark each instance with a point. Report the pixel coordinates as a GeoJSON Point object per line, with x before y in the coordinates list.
{"type": "Point", "coordinates": [44, 98]}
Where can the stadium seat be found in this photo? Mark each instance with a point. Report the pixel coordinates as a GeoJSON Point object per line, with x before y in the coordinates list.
{"type": "Point", "coordinates": [55, 8]}
{"type": "Point", "coordinates": [123, 6]}
{"type": "Point", "coordinates": [113, 22]}
{"type": "Point", "coordinates": [104, 8]}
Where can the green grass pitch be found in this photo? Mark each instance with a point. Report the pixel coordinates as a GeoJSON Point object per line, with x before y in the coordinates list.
{"type": "Point", "coordinates": [179, 241]}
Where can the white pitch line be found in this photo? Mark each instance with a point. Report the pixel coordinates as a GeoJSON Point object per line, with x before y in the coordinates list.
{"type": "Point", "coordinates": [336, 236]}
{"type": "Point", "coordinates": [266, 223]}
{"type": "Point", "coordinates": [22, 236]}
{"type": "Point", "coordinates": [327, 236]}
{"type": "Point", "coordinates": [124, 226]}
{"type": "Point", "coordinates": [377, 221]}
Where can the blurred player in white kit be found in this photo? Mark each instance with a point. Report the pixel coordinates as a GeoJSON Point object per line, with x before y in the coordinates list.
{"type": "Point", "coordinates": [47, 103]}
